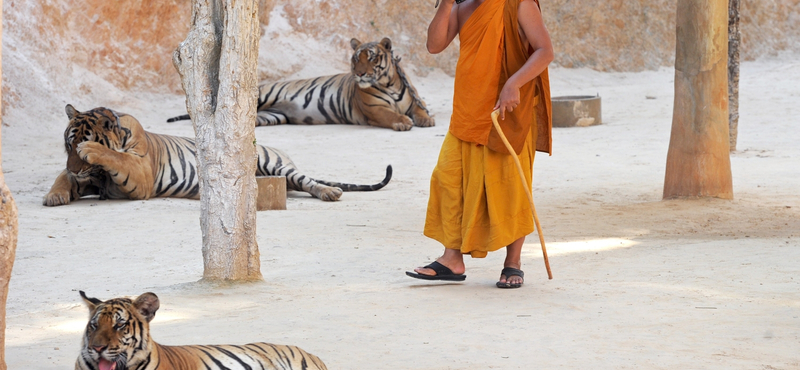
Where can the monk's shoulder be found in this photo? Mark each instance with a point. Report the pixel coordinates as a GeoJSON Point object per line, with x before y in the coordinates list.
{"type": "Point", "coordinates": [528, 8]}
{"type": "Point", "coordinates": [465, 9]}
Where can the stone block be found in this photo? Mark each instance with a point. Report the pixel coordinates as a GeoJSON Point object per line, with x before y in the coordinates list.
{"type": "Point", "coordinates": [271, 193]}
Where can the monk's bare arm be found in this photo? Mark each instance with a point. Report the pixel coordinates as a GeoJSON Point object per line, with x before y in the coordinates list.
{"type": "Point", "coordinates": [530, 20]}
{"type": "Point", "coordinates": [443, 28]}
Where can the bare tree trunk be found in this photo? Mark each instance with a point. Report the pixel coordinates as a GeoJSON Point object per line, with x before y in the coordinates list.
{"type": "Point", "coordinates": [734, 37]}
{"type": "Point", "coordinates": [698, 160]}
{"type": "Point", "coordinates": [8, 237]}
{"type": "Point", "coordinates": [218, 64]}
{"type": "Point", "coordinates": [8, 249]}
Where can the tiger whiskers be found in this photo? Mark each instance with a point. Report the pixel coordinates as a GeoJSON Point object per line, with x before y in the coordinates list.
{"type": "Point", "coordinates": [122, 361]}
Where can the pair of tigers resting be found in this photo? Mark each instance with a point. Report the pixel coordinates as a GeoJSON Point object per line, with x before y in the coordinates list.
{"type": "Point", "coordinates": [111, 155]}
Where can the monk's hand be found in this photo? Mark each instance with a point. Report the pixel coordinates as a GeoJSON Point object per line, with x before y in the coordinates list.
{"type": "Point", "coordinates": [508, 100]}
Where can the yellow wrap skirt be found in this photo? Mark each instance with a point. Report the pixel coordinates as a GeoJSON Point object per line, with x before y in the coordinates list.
{"type": "Point", "coordinates": [477, 202]}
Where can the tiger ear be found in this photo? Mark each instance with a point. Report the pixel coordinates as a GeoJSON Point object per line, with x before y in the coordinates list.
{"type": "Point", "coordinates": [108, 119]}
{"type": "Point", "coordinates": [386, 43]}
{"type": "Point", "coordinates": [147, 304]}
{"type": "Point", "coordinates": [354, 43]}
{"type": "Point", "coordinates": [108, 123]}
{"type": "Point", "coordinates": [91, 302]}
{"type": "Point", "coordinates": [71, 111]}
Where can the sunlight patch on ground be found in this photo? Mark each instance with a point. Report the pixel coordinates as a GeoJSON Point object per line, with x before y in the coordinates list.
{"type": "Point", "coordinates": [583, 246]}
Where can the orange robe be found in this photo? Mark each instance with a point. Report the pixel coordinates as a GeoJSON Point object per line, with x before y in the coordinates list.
{"type": "Point", "coordinates": [477, 202]}
{"type": "Point", "coordinates": [491, 52]}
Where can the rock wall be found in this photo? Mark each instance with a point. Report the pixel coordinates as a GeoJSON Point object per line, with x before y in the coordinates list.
{"type": "Point", "coordinates": [769, 27]}
{"type": "Point", "coordinates": [69, 47]}
{"type": "Point", "coordinates": [127, 43]}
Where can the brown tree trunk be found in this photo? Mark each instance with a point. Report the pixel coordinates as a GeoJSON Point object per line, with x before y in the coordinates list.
{"type": "Point", "coordinates": [218, 64]}
{"type": "Point", "coordinates": [8, 236]}
{"type": "Point", "coordinates": [734, 37]}
{"type": "Point", "coordinates": [698, 160]}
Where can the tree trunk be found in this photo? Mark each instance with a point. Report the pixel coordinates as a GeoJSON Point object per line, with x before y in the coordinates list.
{"type": "Point", "coordinates": [734, 37]}
{"type": "Point", "coordinates": [218, 64]}
{"type": "Point", "coordinates": [698, 160]}
{"type": "Point", "coordinates": [8, 236]}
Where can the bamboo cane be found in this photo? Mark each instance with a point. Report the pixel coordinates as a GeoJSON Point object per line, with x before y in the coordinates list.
{"type": "Point", "coordinates": [495, 114]}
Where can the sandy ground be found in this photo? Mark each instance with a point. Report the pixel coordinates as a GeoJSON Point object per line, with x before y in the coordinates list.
{"type": "Point", "coordinates": [639, 282]}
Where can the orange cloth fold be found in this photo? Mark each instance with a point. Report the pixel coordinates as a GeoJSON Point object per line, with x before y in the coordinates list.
{"type": "Point", "coordinates": [491, 52]}
{"type": "Point", "coordinates": [478, 203]}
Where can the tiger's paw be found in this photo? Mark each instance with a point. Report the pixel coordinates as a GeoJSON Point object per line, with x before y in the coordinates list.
{"type": "Point", "coordinates": [405, 124]}
{"type": "Point", "coordinates": [90, 151]}
{"type": "Point", "coordinates": [329, 194]}
{"type": "Point", "coordinates": [56, 198]}
{"type": "Point", "coordinates": [424, 121]}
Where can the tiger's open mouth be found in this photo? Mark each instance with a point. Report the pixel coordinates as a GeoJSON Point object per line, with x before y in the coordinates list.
{"type": "Point", "coordinates": [104, 364]}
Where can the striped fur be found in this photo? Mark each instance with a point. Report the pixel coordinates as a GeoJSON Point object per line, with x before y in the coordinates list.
{"type": "Point", "coordinates": [111, 155]}
{"type": "Point", "coordinates": [376, 92]}
{"type": "Point", "coordinates": [117, 337]}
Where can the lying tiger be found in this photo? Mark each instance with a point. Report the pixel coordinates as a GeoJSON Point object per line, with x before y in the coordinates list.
{"type": "Point", "coordinates": [111, 155]}
{"type": "Point", "coordinates": [117, 337]}
{"type": "Point", "coordinates": [376, 92]}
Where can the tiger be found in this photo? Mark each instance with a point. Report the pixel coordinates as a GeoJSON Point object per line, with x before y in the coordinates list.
{"type": "Point", "coordinates": [111, 155]}
{"type": "Point", "coordinates": [117, 337]}
{"type": "Point", "coordinates": [375, 92]}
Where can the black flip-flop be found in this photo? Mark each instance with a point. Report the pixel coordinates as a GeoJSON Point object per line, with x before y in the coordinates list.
{"type": "Point", "coordinates": [442, 273]}
{"type": "Point", "coordinates": [509, 272]}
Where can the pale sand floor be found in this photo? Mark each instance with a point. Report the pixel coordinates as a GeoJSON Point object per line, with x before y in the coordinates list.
{"type": "Point", "coordinates": [639, 282]}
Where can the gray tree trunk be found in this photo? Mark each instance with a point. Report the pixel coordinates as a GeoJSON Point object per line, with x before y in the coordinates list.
{"type": "Point", "coordinates": [698, 159]}
{"type": "Point", "coordinates": [8, 236]}
{"type": "Point", "coordinates": [218, 67]}
{"type": "Point", "coordinates": [734, 37]}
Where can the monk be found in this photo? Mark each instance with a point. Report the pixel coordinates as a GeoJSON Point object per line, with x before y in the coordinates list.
{"type": "Point", "coordinates": [477, 202]}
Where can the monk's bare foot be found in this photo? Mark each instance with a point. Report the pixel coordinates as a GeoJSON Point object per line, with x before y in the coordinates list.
{"type": "Point", "coordinates": [451, 259]}
{"type": "Point", "coordinates": [511, 277]}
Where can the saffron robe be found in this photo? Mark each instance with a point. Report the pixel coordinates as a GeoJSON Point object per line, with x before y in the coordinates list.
{"type": "Point", "coordinates": [477, 202]}
{"type": "Point", "coordinates": [490, 43]}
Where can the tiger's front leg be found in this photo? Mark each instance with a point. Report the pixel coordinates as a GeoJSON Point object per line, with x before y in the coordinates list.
{"type": "Point", "coordinates": [63, 191]}
{"type": "Point", "coordinates": [388, 118]}
{"type": "Point", "coordinates": [69, 187]}
{"type": "Point", "coordinates": [130, 172]}
{"type": "Point", "coordinates": [421, 117]}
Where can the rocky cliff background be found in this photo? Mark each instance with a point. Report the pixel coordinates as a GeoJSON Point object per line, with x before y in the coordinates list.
{"type": "Point", "coordinates": [89, 50]}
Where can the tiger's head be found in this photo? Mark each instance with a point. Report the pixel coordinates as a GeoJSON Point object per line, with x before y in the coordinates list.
{"type": "Point", "coordinates": [372, 63]}
{"type": "Point", "coordinates": [100, 125]}
{"type": "Point", "coordinates": [118, 333]}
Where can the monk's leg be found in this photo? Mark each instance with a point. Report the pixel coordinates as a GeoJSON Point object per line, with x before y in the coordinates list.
{"type": "Point", "coordinates": [443, 220]}
{"type": "Point", "coordinates": [513, 260]}
{"type": "Point", "coordinates": [452, 259]}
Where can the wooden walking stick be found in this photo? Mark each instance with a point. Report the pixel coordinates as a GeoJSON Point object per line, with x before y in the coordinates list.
{"type": "Point", "coordinates": [495, 114]}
